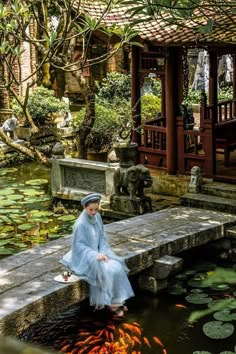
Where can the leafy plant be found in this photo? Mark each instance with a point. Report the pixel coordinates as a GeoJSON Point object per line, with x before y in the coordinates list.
{"type": "Point", "coordinates": [115, 86]}
{"type": "Point", "coordinates": [41, 104]}
{"type": "Point", "coordinates": [151, 105]}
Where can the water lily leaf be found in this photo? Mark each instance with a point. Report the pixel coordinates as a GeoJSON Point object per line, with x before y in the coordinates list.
{"type": "Point", "coordinates": [41, 213]}
{"type": "Point", "coordinates": [176, 290]}
{"type": "Point", "coordinates": [15, 196]}
{"type": "Point", "coordinates": [196, 291]}
{"type": "Point", "coordinates": [222, 304]}
{"type": "Point", "coordinates": [35, 182]}
{"type": "Point", "coordinates": [198, 298]}
{"type": "Point", "coordinates": [66, 217]}
{"type": "Point", "coordinates": [10, 211]}
{"type": "Point", "coordinates": [201, 352]}
{"type": "Point", "coordinates": [220, 287]}
{"type": "Point", "coordinates": [52, 237]}
{"type": "Point", "coordinates": [197, 283]}
{"type": "Point", "coordinates": [224, 315]}
{"type": "Point", "coordinates": [7, 191]}
{"type": "Point", "coordinates": [227, 352]}
{"type": "Point", "coordinates": [32, 192]}
{"type": "Point", "coordinates": [6, 202]}
{"type": "Point", "coordinates": [3, 242]}
{"type": "Point", "coordinates": [6, 228]}
{"type": "Point", "coordinates": [26, 227]}
{"type": "Point", "coordinates": [6, 171]}
{"type": "Point", "coordinates": [218, 329]}
{"type": "Point", "coordinates": [181, 276]}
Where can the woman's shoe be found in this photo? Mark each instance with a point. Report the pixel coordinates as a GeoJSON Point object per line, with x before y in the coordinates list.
{"type": "Point", "coordinates": [118, 311]}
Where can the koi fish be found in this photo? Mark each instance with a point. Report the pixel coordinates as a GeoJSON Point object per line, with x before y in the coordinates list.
{"type": "Point", "coordinates": [180, 305]}
{"type": "Point", "coordinates": [65, 347]}
{"type": "Point", "coordinates": [100, 333]}
{"type": "Point", "coordinates": [111, 336]}
{"type": "Point", "coordinates": [111, 326]}
{"type": "Point", "coordinates": [106, 334]}
{"type": "Point", "coordinates": [88, 339]}
{"type": "Point", "coordinates": [95, 341]}
{"type": "Point", "coordinates": [137, 330]}
{"type": "Point", "coordinates": [94, 349]}
{"type": "Point", "coordinates": [84, 333]}
{"type": "Point", "coordinates": [164, 351]}
{"type": "Point", "coordinates": [128, 336]}
{"type": "Point", "coordinates": [146, 341]}
{"type": "Point", "coordinates": [128, 326]}
{"type": "Point", "coordinates": [136, 340]}
{"type": "Point", "coordinates": [122, 341]}
{"type": "Point", "coordinates": [122, 333]}
{"type": "Point", "coordinates": [158, 341]}
{"type": "Point", "coordinates": [136, 324]}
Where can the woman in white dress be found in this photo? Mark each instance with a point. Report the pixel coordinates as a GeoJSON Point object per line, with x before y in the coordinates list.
{"type": "Point", "coordinates": [92, 259]}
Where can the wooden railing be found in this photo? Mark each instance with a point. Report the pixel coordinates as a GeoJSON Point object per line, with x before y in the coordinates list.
{"type": "Point", "coordinates": [152, 151]}
{"type": "Point", "coordinates": [224, 111]}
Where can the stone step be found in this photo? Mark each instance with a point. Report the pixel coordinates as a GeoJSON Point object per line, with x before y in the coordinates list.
{"type": "Point", "coordinates": [231, 232]}
{"type": "Point", "coordinates": [218, 189]}
{"type": "Point", "coordinates": [209, 202]}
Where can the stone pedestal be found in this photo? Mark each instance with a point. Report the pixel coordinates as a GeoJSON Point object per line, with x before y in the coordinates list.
{"type": "Point", "coordinates": [151, 284]}
{"type": "Point", "coordinates": [134, 206]}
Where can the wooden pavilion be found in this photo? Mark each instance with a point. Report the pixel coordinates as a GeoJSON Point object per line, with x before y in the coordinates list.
{"type": "Point", "coordinates": [166, 142]}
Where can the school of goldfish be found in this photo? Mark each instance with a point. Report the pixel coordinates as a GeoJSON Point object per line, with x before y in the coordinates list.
{"type": "Point", "coordinates": [112, 338]}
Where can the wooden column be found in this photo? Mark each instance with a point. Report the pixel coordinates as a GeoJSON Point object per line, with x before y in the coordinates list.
{"type": "Point", "coordinates": [213, 82]}
{"type": "Point", "coordinates": [171, 73]}
{"type": "Point", "coordinates": [213, 91]}
{"type": "Point", "coordinates": [234, 86]}
{"type": "Point", "coordinates": [163, 97]}
{"type": "Point", "coordinates": [135, 94]}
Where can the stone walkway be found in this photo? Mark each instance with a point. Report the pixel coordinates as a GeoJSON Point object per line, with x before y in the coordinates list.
{"type": "Point", "coordinates": [28, 291]}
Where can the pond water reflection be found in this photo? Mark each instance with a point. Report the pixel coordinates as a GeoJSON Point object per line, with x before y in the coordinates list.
{"type": "Point", "coordinates": [25, 218]}
{"type": "Point", "coordinates": [154, 324]}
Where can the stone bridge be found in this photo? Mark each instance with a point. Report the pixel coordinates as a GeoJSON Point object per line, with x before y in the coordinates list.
{"type": "Point", "coordinates": [29, 293]}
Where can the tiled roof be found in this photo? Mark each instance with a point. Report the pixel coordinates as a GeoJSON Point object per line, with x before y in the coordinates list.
{"type": "Point", "coordinates": [169, 34]}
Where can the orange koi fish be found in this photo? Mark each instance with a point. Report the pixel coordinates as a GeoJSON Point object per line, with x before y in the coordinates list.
{"type": "Point", "coordinates": [122, 341]}
{"type": "Point", "coordinates": [136, 340]}
{"type": "Point", "coordinates": [146, 341]}
{"type": "Point", "coordinates": [122, 333]}
{"type": "Point", "coordinates": [128, 326]}
{"type": "Point", "coordinates": [136, 324]}
{"type": "Point", "coordinates": [134, 352]}
{"type": "Point", "coordinates": [65, 347]}
{"type": "Point", "coordinates": [106, 334]}
{"type": "Point", "coordinates": [137, 330]}
{"type": "Point", "coordinates": [80, 351]}
{"type": "Point", "coordinates": [111, 336]}
{"type": "Point", "coordinates": [164, 351]}
{"type": "Point", "coordinates": [89, 338]}
{"type": "Point", "coordinates": [128, 336]}
{"type": "Point", "coordinates": [84, 333]}
{"type": "Point", "coordinates": [111, 326]}
{"type": "Point", "coordinates": [180, 305]}
{"type": "Point", "coordinates": [95, 341]}
{"type": "Point", "coordinates": [94, 349]}
{"type": "Point", "coordinates": [100, 333]}
{"type": "Point", "coordinates": [158, 341]}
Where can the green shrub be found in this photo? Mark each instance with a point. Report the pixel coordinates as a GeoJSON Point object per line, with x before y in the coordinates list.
{"type": "Point", "coordinates": [115, 86]}
{"type": "Point", "coordinates": [41, 104]}
{"type": "Point", "coordinates": [108, 122]}
{"type": "Point", "coordinates": [194, 96]}
{"type": "Point", "coordinates": [151, 105]}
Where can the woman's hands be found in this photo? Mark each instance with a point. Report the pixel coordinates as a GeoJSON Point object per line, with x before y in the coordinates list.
{"type": "Point", "coordinates": [102, 257]}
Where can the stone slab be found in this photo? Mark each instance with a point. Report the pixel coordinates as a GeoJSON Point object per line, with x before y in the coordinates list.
{"type": "Point", "coordinates": [28, 291]}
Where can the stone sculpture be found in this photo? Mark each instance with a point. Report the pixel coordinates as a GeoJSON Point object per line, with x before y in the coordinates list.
{"type": "Point", "coordinates": [9, 127]}
{"type": "Point", "coordinates": [195, 181]}
{"type": "Point", "coordinates": [132, 181]}
{"type": "Point", "coordinates": [129, 184]}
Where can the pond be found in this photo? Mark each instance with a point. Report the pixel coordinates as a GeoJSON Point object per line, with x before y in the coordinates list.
{"type": "Point", "coordinates": [26, 219]}
{"type": "Point", "coordinates": [194, 315]}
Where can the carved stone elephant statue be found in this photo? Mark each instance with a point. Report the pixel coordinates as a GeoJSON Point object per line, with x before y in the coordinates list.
{"type": "Point", "coordinates": [132, 181]}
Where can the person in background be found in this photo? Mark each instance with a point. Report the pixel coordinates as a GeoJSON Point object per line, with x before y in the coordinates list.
{"type": "Point", "coordinates": [9, 127]}
{"type": "Point", "coordinates": [92, 259]}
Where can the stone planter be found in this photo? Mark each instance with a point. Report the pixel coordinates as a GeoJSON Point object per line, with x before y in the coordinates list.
{"type": "Point", "coordinates": [101, 156]}
{"type": "Point", "coordinates": [127, 155]}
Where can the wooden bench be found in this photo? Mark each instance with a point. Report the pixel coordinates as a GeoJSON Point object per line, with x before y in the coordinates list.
{"type": "Point", "coordinates": [225, 134]}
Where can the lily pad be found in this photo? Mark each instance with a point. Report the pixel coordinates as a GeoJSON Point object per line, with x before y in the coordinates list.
{"type": "Point", "coordinates": [224, 315]}
{"type": "Point", "coordinates": [26, 227]}
{"type": "Point", "coordinates": [197, 283]}
{"type": "Point", "coordinates": [7, 191]}
{"type": "Point", "coordinates": [198, 298]}
{"type": "Point", "coordinates": [220, 287]}
{"type": "Point", "coordinates": [41, 213]}
{"type": "Point", "coordinates": [32, 192]}
{"type": "Point", "coordinates": [36, 182]}
{"type": "Point", "coordinates": [66, 217]}
{"type": "Point", "coordinates": [176, 290]}
{"type": "Point", "coordinates": [227, 352]}
{"type": "Point", "coordinates": [201, 352]}
{"type": "Point", "coordinates": [218, 329]}
{"type": "Point", "coordinates": [6, 202]}
{"type": "Point", "coordinates": [15, 196]}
